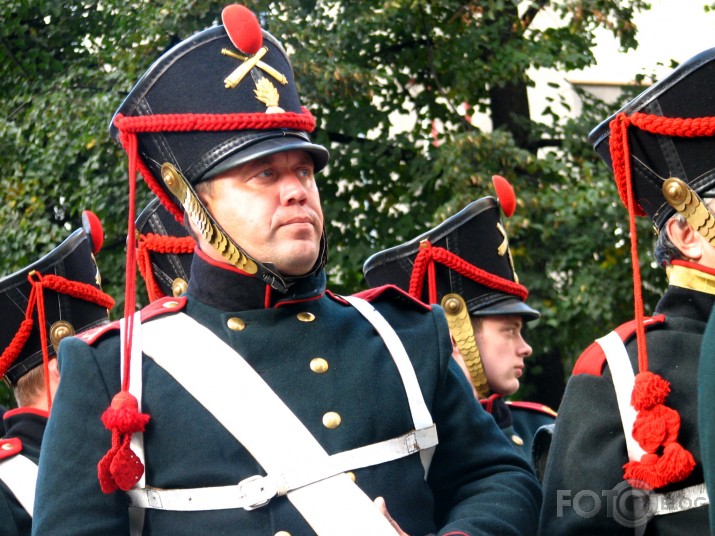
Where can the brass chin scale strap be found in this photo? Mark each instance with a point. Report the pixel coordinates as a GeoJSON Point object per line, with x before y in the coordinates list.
{"type": "Point", "coordinates": [460, 325]}
{"type": "Point", "coordinates": [206, 225]}
{"type": "Point", "coordinates": [689, 205]}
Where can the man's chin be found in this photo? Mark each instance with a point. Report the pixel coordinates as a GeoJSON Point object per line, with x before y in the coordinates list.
{"type": "Point", "coordinates": [298, 261]}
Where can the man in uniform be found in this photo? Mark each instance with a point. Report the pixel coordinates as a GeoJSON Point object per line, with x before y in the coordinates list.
{"type": "Point", "coordinates": [624, 457]}
{"type": "Point", "coordinates": [55, 297]}
{"type": "Point", "coordinates": [258, 402]}
{"type": "Point", "coordinates": [464, 264]}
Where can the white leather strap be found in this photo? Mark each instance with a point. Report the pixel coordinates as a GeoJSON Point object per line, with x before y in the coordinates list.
{"type": "Point", "coordinates": [136, 516]}
{"type": "Point", "coordinates": [334, 506]}
{"type": "Point", "coordinates": [679, 500]}
{"type": "Point", "coordinates": [256, 491]}
{"type": "Point", "coordinates": [19, 473]}
{"type": "Point", "coordinates": [420, 414]}
{"type": "Point", "coordinates": [623, 381]}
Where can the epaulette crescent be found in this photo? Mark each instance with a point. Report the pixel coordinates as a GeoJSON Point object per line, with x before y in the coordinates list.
{"type": "Point", "coordinates": [531, 406]}
{"type": "Point", "coordinates": [592, 360]}
{"type": "Point", "coordinates": [392, 293]}
{"type": "Point", "coordinates": [155, 308]}
{"type": "Point", "coordinates": [9, 447]}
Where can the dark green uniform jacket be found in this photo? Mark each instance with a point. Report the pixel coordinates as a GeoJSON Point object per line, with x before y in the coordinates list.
{"type": "Point", "coordinates": [27, 426]}
{"type": "Point", "coordinates": [583, 486]}
{"type": "Point", "coordinates": [706, 411]}
{"type": "Point", "coordinates": [519, 421]}
{"type": "Point", "coordinates": [477, 483]}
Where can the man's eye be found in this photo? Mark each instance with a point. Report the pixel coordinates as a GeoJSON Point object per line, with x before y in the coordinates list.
{"type": "Point", "coordinates": [263, 174]}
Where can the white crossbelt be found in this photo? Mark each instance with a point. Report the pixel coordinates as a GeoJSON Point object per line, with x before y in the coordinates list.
{"type": "Point", "coordinates": [623, 382]}
{"type": "Point", "coordinates": [679, 500]}
{"type": "Point", "coordinates": [19, 474]}
{"type": "Point", "coordinates": [420, 414]}
{"type": "Point", "coordinates": [313, 481]}
{"type": "Point", "coordinates": [256, 491]}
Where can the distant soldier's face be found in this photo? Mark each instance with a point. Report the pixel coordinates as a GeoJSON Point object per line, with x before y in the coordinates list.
{"type": "Point", "coordinates": [271, 208]}
{"type": "Point", "coordinates": [503, 351]}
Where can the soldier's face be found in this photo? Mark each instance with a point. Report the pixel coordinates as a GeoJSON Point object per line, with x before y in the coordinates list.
{"type": "Point", "coordinates": [271, 208]}
{"type": "Point", "coordinates": [503, 351]}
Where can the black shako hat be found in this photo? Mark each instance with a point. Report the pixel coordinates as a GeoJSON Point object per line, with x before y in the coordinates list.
{"type": "Point", "coordinates": [666, 131]}
{"type": "Point", "coordinates": [164, 252]}
{"type": "Point", "coordinates": [468, 254]}
{"type": "Point", "coordinates": [59, 294]}
{"type": "Point", "coordinates": [220, 98]}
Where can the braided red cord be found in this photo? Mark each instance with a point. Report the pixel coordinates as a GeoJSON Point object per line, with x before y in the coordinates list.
{"type": "Point", "coordinates": [131, 262]}
{"type": "Point", "coordinates": [621, 157]}
{"type": "Point", "coordinates": [57, 284]}
{"type": "Point", "coordinates": [16, 345]}
{"type": "Point", "coordinates": [215, 122]}
{"type": "Point", "coordinates": [35, 279]}
{"type": "Point", "coordinates": [684, 127]}
{"type": "Point", "coordinates": [428, 254]}
{"type": "Point", "coordinates": [81, 291]}
{"type": "Point", "coordinates": [159, 244]}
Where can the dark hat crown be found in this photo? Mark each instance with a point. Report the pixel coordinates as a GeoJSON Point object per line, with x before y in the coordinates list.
{"type": "Point", "coordinates": [186, 112]}
{"type": "Point", "coordinates": [472, 259]}
{"type": "Point", "coordinates": [165, 251]}
{"type": "Point", "coordinates": [669, 129]}
{"type": "Point", "coordinates": [72, 302]}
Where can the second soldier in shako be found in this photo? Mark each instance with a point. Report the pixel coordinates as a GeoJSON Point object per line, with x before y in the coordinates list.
{"type": "Point", "coordinates": [265, 404]}
{"type": "Point", "coordinates": [464, 264]}
{"type": "Point", "coordinates": [627, 427]}
{"type": "Point", "coordinates": [53, 298]}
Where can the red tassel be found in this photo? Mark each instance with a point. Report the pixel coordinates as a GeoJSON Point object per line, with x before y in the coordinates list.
{"type": "Point", "coordinates": [120, 468]}
{"type": "Point", "coordinates": [656, 430]}
{"type": "Point", "coordinates": [655, 427]}
{"type": "Point", "coordinates": [649, 390]}
{"type": "Point", "coordinates": [676, 463]}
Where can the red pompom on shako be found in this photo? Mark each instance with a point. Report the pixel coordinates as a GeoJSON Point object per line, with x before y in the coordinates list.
{"type": "Point", "coordinates": [505, 195]}
{"type": "Point", "coordinates": [93, 227]}
{"type": "Point", "coordinates": [243, 28]}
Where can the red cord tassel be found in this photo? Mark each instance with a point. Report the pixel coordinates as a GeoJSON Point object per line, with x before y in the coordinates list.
{"type": "Point", "coordinates": [120, 468]}
{"type": "Point", "coordinates": [656, 429]}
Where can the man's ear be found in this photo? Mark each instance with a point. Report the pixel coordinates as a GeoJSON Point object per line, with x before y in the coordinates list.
{"type": "Point", "coordinates": [54, 368]}
{"type": "Point", "coordinates": [686, 239]}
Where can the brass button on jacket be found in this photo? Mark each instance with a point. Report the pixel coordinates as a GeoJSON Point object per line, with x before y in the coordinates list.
{"type": "Point", "coordinates": [235, 323]}
{"type": "Point", "coordinates": [305, 316]}
{"type": "Point", "coordinates": [332, 420]}
{"type": "Point", "coordinates": [319, 365]}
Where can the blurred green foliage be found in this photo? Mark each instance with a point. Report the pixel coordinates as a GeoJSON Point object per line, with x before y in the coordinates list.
{"type": "Point", "coordinates": [65, 66]}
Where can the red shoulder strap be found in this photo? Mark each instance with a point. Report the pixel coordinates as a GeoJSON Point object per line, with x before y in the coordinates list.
{"type": "Point", "coordinates": [10, 447]}
{"type": "Point", "coordinates": [532, 406]}
{"type": "Point", "coordinates": [391, 292]}
{"type": "Point", "coordinates": [592, 360]}
{"type": "Point", "coordinates": [92, 335]}
{"type": "Point", "coordinates": [163, 306]}
{"type": "Point", "coordinates": [156, 308]}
